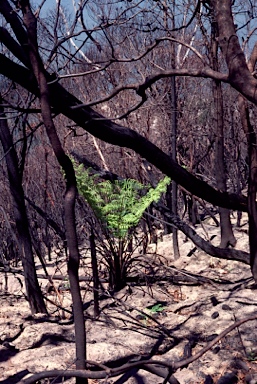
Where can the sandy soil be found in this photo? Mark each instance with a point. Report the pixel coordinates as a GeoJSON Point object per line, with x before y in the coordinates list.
{"type": "Point", "coordinates": [166, 319]}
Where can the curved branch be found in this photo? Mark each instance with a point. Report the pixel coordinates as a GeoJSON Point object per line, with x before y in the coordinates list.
{"type": "Point", "coordinates": [141, 56]}
{"type": "Point", "coordinates": [64, 102]}
{"type": "Point", "coordinates": [140, 89]}
{"type": "Point", "coordinates": [183, 363]}
{"type": "Point", "coordinates": [206, 246]}
{"type": "Point", "coordinates": [143, 364]}
{"type": "Point", "coordinates": [239, 75]}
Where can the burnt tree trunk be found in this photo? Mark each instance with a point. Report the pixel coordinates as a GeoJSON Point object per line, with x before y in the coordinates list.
{"type": "Point", "coordinates": [174, 124]}
{"type": "Point", "coordinates": [252, 183]}
{"type": "Point", "coordinates": [252, 178]}
{"type": "Point", "coordinates": [172, 192]}
{"type": "Point", "coordinates": [95, 273]}
{"type": "Point", "coordinates": [252, 211]}
{"type": "Point", "coordinates": [33, 292]}
{"type": "Point", "coordinates": [174, 203]}
{"type": "Point", "coordinates": [227, 236]}
{"type": "Point", "coordinates": [30, 23]}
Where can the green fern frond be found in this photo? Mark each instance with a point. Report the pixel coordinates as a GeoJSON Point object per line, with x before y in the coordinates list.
{"type": "Point", "coordinates": [118, 204]}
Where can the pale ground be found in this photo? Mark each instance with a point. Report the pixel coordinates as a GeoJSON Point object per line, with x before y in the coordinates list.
{"type": "Point", "coordinates": [188, 312]}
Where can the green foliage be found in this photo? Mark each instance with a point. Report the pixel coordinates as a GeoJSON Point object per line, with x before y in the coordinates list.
{"type": "Point", "coordinates": [119, 204]}
{"type": "Point", "coordinates": [150, 312]}
{"type": "Point", "coordinates": [156, 308]}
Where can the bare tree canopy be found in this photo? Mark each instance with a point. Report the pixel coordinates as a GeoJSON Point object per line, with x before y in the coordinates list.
{"type": "Point", "coordinates": [104, 128]}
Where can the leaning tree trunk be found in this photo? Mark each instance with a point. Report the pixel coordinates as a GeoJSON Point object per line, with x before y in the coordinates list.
{"type": "Point", "coordinates": [33, 292]}
{"type": "Point", "coordinates": [227, 236]}
{"type": "Point", "coordinates": [30, 23]}
{"type": "Point", "coordinates": [252, 178]}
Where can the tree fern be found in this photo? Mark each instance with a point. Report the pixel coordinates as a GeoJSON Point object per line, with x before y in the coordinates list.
{"type": "Point", "coordinates": [119, 204]}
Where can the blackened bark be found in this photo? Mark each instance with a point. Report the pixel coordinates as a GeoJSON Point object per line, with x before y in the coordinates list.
{"type": "Point", "coordinates": [174, 205]}
{"type": "Point", "coordinates": [252, 178]}
{"type": "Point", "coordinates": [174, 126]}
{"type": "Point", "coordinates": [241, 78]}
{"type": "Point", "coordinates": [172, 193]}
{"type": "Point", "coordinates": [252, 212]}
{"type": "Point", "coordinates": [192, 211]}
{"type": "Point", "coordinates": [227, 236]}
{"type": "Point", "coordinates": [95, 274]}
{"type": "Point", "coordinates": [252, 182]}
{"type": "Point", "coordinates": [119, 281]}
{"type": "Point", "coordinates": [70, 194]}
{"type": "Point", "coordinates": [34, 294]}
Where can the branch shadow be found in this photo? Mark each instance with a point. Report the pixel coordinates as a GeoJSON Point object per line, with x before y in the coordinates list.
{"type": "Point", "coordinates": [51, 339]}
{"type": "Point", "coordinates": [15, 378]}
{"type": "Point", "coordinates": [7, 352]}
